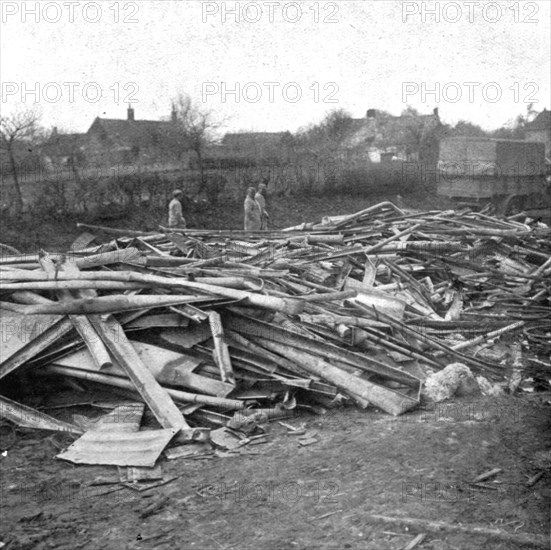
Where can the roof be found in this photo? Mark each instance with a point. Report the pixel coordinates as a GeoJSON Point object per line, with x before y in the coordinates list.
{"type": "Point", "coordinates": [64, 144]}
{"type": "Point", "coordinates": [541, 122]}
{"type": "Point", "coordinates": [387, 130]}
{"type": "Point", "coordinates": [125, 134]}
{"type": "Point", "coordinates": [362, 131]}
{"type": "Point", "coordinates": [481, 139]}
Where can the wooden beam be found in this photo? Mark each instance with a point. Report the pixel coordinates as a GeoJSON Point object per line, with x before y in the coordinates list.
{"type": "Point", "coordinates": [221, 353]}
{"type": "Point", "coordinates": [156, 397]}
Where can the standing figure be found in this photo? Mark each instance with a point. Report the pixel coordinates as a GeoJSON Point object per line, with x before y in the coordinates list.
{"type": "Point", "coordinates": [260, 198]}
{"type": "Point", "coordinates": [175, 218]}
{"type": "Point", "coordinates": [253, 214]}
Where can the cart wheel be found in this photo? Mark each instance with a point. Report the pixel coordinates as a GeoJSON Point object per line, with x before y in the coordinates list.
{"type": "Point", "coordinates": [516, 205]}
{"type": "Point", "coordinates": [7, 250]}
{"type": "Point", "coordinates": [536, 201]}
{"type": "Point", "coordinates": [512, 205]}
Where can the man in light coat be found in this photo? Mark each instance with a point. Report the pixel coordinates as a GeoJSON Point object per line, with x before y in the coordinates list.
{"type": "Point", "coordinates": [253, 214]}
{"type": "Point", "coordinates": [175, 218]}
{"type": "Point", "coordinates": [260, 198]}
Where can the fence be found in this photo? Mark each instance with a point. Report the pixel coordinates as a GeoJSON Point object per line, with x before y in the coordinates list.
{"type": "Point", "coordinates": [95, 188]}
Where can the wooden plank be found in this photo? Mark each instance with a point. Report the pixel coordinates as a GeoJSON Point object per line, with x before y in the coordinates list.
{"type": "Point", "coordinates": [126, 255]}
{"type": "Point", "coordinates": [221, 353]}
{"type": "Point", "coordinates": [187, 338]}
{"type": "Point", "coordinates": [125, 384]}
{"type": "Point", "coordinates": [81, 323]}
{"type": "Point", "coordinates": [159, 320]}
{"type": "Point", "coordinates": [361, 390]}
{"type": "Point", "coordinates": [35, 346]}
{"type": "Point", "coordinates": [156, 397]}
{"type": "Point", "coordinates": [18, 331]}
{"type": "Point", "coordinates": [515, 540]}
{"type": "Point", "coordinates": [168, 367]}
{"type": "Point", "coordinates": [353, 360]}
{"type": "Point", "coordinates": [27, 417]}
{"type": "Point", "coordinates": [104, 304]}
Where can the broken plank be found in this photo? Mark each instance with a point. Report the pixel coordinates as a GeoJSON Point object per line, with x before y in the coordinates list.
{"type": "Point", "coordinates": [119, 382]}
{"type": "Point", "coordinates": [221, 354]}
{"type": "Point", "coordinates": [81, 323]}
{"type": "Point", "coordinates": [36, 346]}
{"type": "Point", "coordinates": [168, 367]}
{"type": "Point", "coordinates": [103, 304]}
{"type": "Point", "coordinates": [156, 397]}
{"type": "Point", "coordinates": [361, 390]}
{"type": "Point", "coordinates": [516, 539]}
{"type": "Point", "coordinates": [27, 417]}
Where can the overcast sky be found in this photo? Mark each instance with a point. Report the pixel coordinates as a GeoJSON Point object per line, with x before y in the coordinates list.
{"type": "Point", "coordinates": [352, 55]}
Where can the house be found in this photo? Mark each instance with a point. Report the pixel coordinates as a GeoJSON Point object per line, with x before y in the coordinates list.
{"type": "Point", "coordinates": [63, 150]}
{"type": "Point", "coordinates": [247, 149]}
{"type": "Point", "coordinates": [115, 142]}
{"type": "Point", "coordinates": [540, 130]}
{"type": "Point", "coordinates": [135, 142]}
{"type": "Point", "coordinates": [380, 137]}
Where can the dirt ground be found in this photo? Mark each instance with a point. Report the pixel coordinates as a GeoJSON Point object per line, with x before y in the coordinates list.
{"type": "Point", "coordinates": [30, 234]}
{"type": "Point", "coordinates": [280, 495]}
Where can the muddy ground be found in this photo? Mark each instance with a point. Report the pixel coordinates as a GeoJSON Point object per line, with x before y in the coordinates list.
{"type": "Point", "coordinates": [29, 234]}
{"type": "Point", "coordinates": [280, 495]}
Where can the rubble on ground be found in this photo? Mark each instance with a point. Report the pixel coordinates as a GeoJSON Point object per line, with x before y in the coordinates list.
{"type": "Point", "coordinates": [219, 332]}
{"type": "Point", "coordinates": [455, 379]}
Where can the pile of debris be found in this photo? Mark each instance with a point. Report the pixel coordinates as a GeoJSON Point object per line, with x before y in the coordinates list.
{"type": "Point", "coordinates": [219, 332]}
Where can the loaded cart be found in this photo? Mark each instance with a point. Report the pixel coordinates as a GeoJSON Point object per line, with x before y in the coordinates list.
{"type": "Point", "coordinates": [510, 174]}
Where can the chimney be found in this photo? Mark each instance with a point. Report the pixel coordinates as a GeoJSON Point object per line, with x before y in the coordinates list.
{"type": "Point", "coordinates": [174, 114]}
{"type": "Point", "coordinates": [371, 113]}
{"type": "Point", "coordinates": [435, 112]}
{"type": "Point", "coordinates": [130, 113]}
{"type": "Point", "coordinates": [54, 131]}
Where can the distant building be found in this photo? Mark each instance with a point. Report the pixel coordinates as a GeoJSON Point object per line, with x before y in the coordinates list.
{"type": "Point", "coordinates": [246, 149]}
{"type": "Point", "coordinates": [381, 137]}
{"type": "Point", "coordinates": [63, 150]}
{"type": "Point", "coordinates": [540, 130]}
{"type": "Point", "coordinates": [131, 141]}
{"type": "Point", "coordinates": [115, 142]}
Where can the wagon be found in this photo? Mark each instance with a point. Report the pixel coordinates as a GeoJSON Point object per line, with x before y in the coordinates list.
{"type": "Point", "coordinates": [510, 174]}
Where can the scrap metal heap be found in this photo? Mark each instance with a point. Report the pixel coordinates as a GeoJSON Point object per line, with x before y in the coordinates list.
{"type": "Point", "coordinates": [218, 332]}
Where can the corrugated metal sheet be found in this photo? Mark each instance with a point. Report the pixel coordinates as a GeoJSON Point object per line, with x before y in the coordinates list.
{"type": "Point", "coordinates": [123, 418]}
{"type": "Point", "coordinates": [119, 448]}
{"type": "Point", "coordinates": [116, 440]}
{"type": "Point", "coordinates": [20, 330]}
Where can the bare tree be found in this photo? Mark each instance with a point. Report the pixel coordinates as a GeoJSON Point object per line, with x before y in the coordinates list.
{"type": "Point", "coordinates": [515, 129]}
{"type": "Point", "coordinates": [197, 125]}
{"type": "Point", "coordinates": [326, 136]}
{"type": "Point", "coordinates": [16, 131]}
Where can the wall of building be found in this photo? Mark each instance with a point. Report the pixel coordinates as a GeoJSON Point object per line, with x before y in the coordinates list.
{"type": "Point", "coordinates": [541, 136]}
